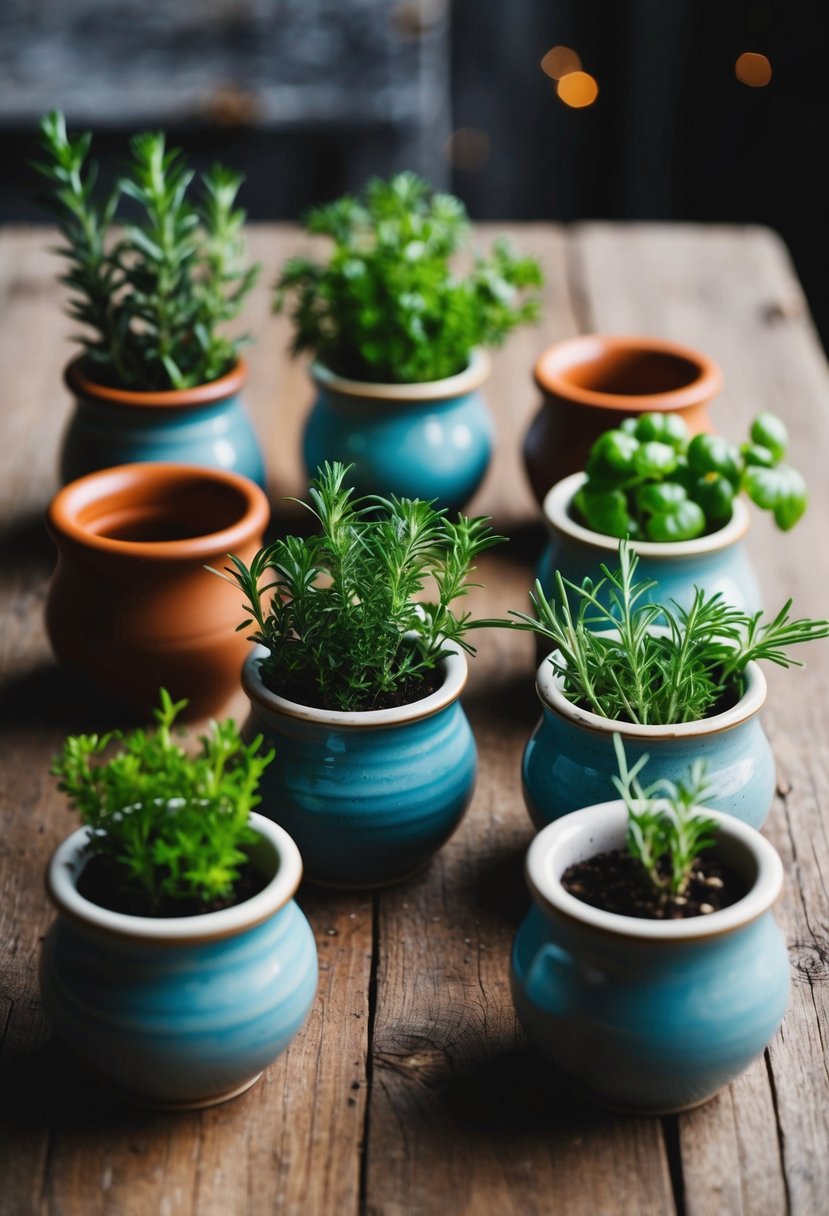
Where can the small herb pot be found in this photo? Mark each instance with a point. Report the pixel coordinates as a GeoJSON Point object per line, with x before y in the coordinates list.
{"type": "Point", "coordinates": [180, 1011]}
{"type": "Point", "coordinates": [207, 425]}
{"type": "Point", "coordinates": [649, 1016]}
{"type": "Point", "coordinates": [717, 562]}
{"type": "Point", "coordinates": [131, 605]}
{"type": "Point", "coordinates": [569, 760]}
{"type": "Point", "coordinates": [368, 796]}
{"type": "Point", "coordinates": [592, 382]}
{"type": "Point", "coordinates": [430, 440]}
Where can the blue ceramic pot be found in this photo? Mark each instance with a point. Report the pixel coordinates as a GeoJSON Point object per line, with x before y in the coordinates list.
{"type": "Point", "coordinates": [717, 562]}
{"type": "Point", "coordinates": [368, 796]}
{"type": "Point", "coordinates": [569, 759]}
{"type": "Point", "coordinates": [180, 1012]}
{"type": "Point", "coordinates": [430, 441]}
{"type": "Point", "coordinates": [207, 425]}
{"type": "Point", "coordinates": [645, 1015]}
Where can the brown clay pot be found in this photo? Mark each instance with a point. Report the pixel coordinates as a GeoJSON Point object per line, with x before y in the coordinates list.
{"type": "Point", "coordinates": [131, 605]}
{"type": "Point", "coordinates": [592, 382]}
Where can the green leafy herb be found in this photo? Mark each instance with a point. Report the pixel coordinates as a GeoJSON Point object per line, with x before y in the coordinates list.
{"type": "Point", "coordinates": [174, 825]}
{"type": "Point", "coordinates": [386, 306]}
{"type": "Point", "coordinates": [649, 480]}
{"type": "Point", "coordinates": [665, 832]}
{"type": "Point", "coordinates": [337, 610]}
{"type": "Point", "coordinates": [663, 664]}
{"type": "Point", "coordinates": [154, 293]}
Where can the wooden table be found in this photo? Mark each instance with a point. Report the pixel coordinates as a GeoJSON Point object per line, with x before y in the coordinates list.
{"type": "Point", "coordinates": [411, 1090]}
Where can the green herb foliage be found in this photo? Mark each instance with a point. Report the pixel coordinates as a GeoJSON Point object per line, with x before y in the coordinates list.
{"type": "Point", "coordinates": [155, 292]}
{"type": "Point", "coordinates": [665, 832]}
{"type": "Point", "coordinates": [386, 306]}
{"type": "Point", "coordinates": [663, 664]}
{"type": "Point", "coordinates": [650, 481]}
{"type": "Point", "coordinates": [174, 824]}
{"type": "Point", "coordinates": [336, 610]}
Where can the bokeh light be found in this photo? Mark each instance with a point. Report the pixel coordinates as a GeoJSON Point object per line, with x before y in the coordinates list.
{"type": "Point", "coordinates": [578, 89]}
{"type": "Point", "coordinates": [467, 149]}
{"type": "Point", "coordinates": [753, 69]}
{"type": "Point", "coordinates": [560, 60]}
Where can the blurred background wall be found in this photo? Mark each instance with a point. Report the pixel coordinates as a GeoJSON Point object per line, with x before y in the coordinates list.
{"type": "Point", "coordinates": [707, 110]}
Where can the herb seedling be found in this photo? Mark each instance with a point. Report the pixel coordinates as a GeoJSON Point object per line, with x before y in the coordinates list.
{"type": "Point", "coordinates": [173, 826]}
{"type": "Point", "coordinates": [387, 306]}
{"type": "Point", "coordinates": [155, 293]}
{"type": "Point", "coordinates": [649, 480]}
{"type": "Point", "coordinates": [337, 611]}
{"type": "Point", "coordinates": [663, 664]}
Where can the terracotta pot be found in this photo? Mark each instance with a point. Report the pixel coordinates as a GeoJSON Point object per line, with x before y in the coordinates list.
{"type": "Point", "coordinates": [591, 383]}
{"type": "Point", "coordinates": [131, 604]}
{"type": "Point", "coordinates": [206, 425]}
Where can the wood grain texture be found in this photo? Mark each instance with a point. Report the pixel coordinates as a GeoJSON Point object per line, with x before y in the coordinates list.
{"type": "Point", "coordinates": [411, 1091]}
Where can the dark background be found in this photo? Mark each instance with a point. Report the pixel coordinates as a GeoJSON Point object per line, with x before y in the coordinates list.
{"type": "Point", "coordinates": [309, 97]}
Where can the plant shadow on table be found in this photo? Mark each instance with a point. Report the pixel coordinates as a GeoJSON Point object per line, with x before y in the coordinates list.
{"type": "Point", "coordinates": [51, 698]}
{"type": "Point", "coordinates": [26, 545]}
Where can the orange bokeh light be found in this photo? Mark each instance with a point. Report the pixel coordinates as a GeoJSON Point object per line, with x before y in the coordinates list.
{"type": "Point", "coordinates": [560, 60]}
{"type": "Point", "coordinates": [753, 69]}
{"type": "Point", "coordinates": [578, 89]}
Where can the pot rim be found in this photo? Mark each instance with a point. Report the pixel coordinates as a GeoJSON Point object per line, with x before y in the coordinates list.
{"type": "Point", "coordinates": [466, 381]}
{"type": "Point", "coordinates": [545, 865]}
{"type": "Point", "coordinates": [548, 686]}
{"type": "Point", "coordinates": [261, 698]}
{"type": "Point", "coordinates": [66, 864]}
{"type": "Point", "coordinates": [557, 517]}
{"type": "Point", "coordinates": [228, 385]}
{"type": "Point", "coordinates": [552, 365]}
{"type": "Point", "coordinates": [158, 476]}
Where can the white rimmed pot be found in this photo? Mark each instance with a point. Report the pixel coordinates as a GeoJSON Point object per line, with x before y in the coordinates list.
{"type": "Point", "coordinates": [645, 1015]}
{"type": "Point", "coordinates": [180, 1011]}
{"type": "Point", "coordinates": [431, 440]}
{"type": "Point", "coordinates": [569, 760]}
{"type": "Point", "coordinates": [368, 796]}
{"type": "Point", "coordinates": [717, 562]}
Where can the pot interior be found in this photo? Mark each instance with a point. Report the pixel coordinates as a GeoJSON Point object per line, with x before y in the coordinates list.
{"type": "Point", "coordinates": [632, 373]}
{"type": "Point", "coordinates": [163, 512]}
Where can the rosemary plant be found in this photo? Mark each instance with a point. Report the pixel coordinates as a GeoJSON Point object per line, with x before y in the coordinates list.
{"type": "Point", "coordinates": [174, 826]}
{"type": "Point", "coordinates": [663, 664]}
{"type": "Point", "coordinates": [337, 610]}
{"type": "Point", "coordinates": [155, 292]}
{"type": "Point", "coordinates": [387, 306]}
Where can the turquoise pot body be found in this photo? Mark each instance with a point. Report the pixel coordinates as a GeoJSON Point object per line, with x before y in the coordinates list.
{"type": "Point", "coordinates": [367, 804]}
{"type": "Point", "coordinates": [569, 760]}
{"type": "Point", "coordinates": [436, 447]}
{"type": "Point", "coordinates": [178, 1024]}
{"type": "Point", "coordinates": [104, 432]}
{"type": "Point", "coordinates": [716, 563]}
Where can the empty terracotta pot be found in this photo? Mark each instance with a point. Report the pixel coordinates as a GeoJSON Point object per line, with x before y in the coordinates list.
{"type": "Point", "coordinates": [591, 383]}
{"type": "Point", "coordinates": [131, 604]}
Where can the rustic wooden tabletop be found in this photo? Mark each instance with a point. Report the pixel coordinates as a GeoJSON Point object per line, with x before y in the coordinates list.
{"type": "Point", "coordinates": [411, 1092]}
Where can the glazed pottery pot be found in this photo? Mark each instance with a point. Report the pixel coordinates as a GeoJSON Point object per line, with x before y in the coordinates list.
{"type": "Point", "coordinates": [569, 760]}
{"type": "Point", "coordinates": [180, 1011]}
{"type": "Point", "coordinates": [591, 383]}
{"type": "Point", "coordinates": [207, 425]}
{"type": "Point", "coordinates": [131, 605]}
{"type": "Point", "coordinates": [368, 796]}
{"type": "Point", "coordinates": [643, 1015]}
{"type": "Point", "coordinates": [717, 562]}
{"type": "Point", "coordinates": [430, 441]}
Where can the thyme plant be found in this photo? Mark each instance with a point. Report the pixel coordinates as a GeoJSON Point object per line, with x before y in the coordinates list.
{"type": "Point", "coordinates": [154, 292]}
{"type": "Point", "coordinates": [387, 304]}
{"type": "Point", "coordinates": [174, 825]}
{"type": "Point", "coordinates": [337, 610]}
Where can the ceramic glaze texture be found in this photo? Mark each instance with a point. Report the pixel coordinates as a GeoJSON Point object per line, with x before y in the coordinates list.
{"type": "Point", "coordinates": [591, 383]}
{"type": "Point", "coordinates": [569, 760]}
{"type": "Point", "coordinates": [131, 605]}
{"type": "Point", "coordinates": [717, 563]}
{"type": "Point", "coordinates": [180, 1011]}
{"type": "Point", "coordinates": [368, 797]}
{"type": "Point", "coordinates": [430, 441]}
{"type": "Point", "coordinates": [207, 425]}
{"type": "Point", "coordinates": [642, 1015]}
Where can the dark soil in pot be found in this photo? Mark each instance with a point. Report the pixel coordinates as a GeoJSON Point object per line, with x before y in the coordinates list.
{"type": "Point", "coordinates": [102, 883]}
{"type": "Point", "coordinates": [617, 882]}
{"type": "Point", "coordinates": [303, 692]}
